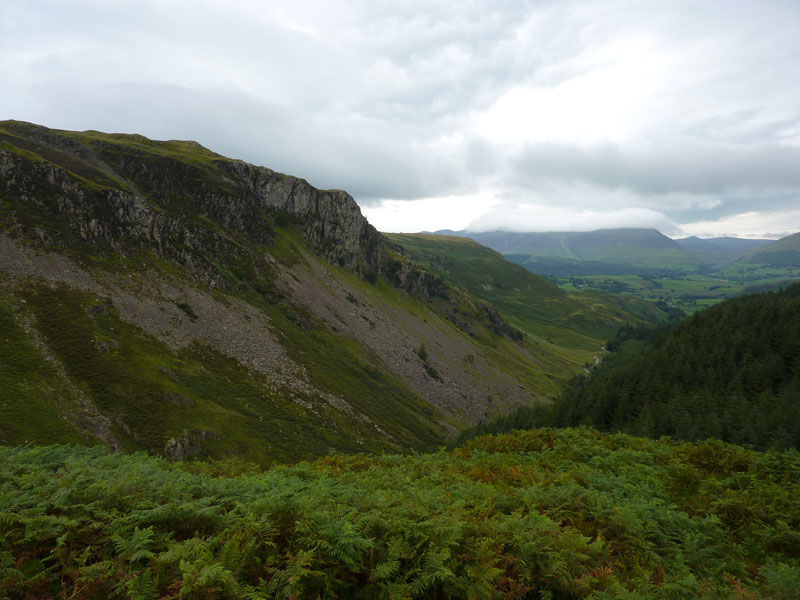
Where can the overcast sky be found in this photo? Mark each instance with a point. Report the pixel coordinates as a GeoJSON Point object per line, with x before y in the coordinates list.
{"type": "Point", "coordinates": [486, 114]}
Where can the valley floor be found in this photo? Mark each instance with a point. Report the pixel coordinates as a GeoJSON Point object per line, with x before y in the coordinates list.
{"type": "Point", "coordinates": [690, 292]}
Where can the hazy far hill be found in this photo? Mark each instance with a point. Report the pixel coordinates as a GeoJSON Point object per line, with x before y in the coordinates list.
{"type": "Point", "coordinates": [682, 276]}
{"type": "Point", "coordinates": [722, 250]}
{"type": "Point", "coordinates": [635, 248]}
{"type": "Point", "coordinates": [768, 266]}
{"type": "Point", "coordinates": [722, 244]}
{"type": "Point", "coordinates": [639, 248]}
{"type": "Point", "coordinates": [156, 295]}
{"type": "Point", "coordinates": [782, 252]}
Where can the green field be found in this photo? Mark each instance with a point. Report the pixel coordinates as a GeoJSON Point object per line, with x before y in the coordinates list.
{"type": "Point", "coordinates": [689, 293]}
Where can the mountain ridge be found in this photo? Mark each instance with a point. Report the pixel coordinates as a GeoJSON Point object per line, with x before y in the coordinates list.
{"type": "Point", "coordinates": [784, 251]}
{"type": "Point", "coordinates": [631, 246]}
{"type": "Point", "coordinates": [646, 253]}
{"type": "Point", "coordinates": [720, 243]}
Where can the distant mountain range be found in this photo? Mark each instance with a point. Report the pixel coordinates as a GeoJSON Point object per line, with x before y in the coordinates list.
{"type": "Point", "coordinates": [720, 244]}
{"type": "Point", "coordinates": [630, 246]}
{"type": "Point", "coordinates": [633, 251]}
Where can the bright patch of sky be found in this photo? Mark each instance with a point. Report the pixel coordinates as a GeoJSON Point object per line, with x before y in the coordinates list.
{"type": "Point", "coordinates": [511, 114]}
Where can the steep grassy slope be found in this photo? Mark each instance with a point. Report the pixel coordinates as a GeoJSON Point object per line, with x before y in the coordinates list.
{"type": "Point", "coordinates": [197, 399]}
{"type": "Point", "coordinates": [769, 263]}
{"type": "Point", "coordinates": [34, 396]}
{"type": "Point", "coordinates": [159, 296]}
{"type": "Point", "coordinates": [563, 323]}
{"type": "Point", "coordinates": [540, 514]}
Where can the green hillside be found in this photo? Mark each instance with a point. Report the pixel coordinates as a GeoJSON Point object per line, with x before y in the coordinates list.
{"type": "Point", "coordinates": [558, 266]}
{"type": "Point", "coordinates": [769, 263]}
{"type": "Point", "coordinates": [157, 296]}
{"type": "Point", "coordinates": [539, 514]}
{"type": "Point", "coordinates": [215, 403]}
{"type": "Point", "coordinates": [550, 316]}
{"type": "Point", "coordinates": [745, 352]}
{"type": "Point", "coordinates": [784, 252]}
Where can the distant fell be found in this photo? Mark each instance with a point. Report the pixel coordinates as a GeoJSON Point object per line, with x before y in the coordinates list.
{"type": "Point", "coordinates": [722, 250]}
{"type": "Point", "coordinates": [721, 243]}
{"type": "Point", "coordinates": [640, 248]}
{"type": "Point", "coordinates": [769, 263]}
{"type": "Point", "coordinates": [784, 252]}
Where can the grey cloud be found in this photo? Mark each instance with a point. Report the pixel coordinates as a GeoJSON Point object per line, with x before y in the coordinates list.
{"type": "Point", "coordinates": [743, 128]}
{"type": "Point", "coordinates": [379, 98]}
{"type": "Point", "coordinates": [687, 183]}
{"type": "Point", "coordinates": [688, 168]}
{"type": "Point", "coordinates": [244, 126]}
{"type": "Point", "coordinates": [521, 219]}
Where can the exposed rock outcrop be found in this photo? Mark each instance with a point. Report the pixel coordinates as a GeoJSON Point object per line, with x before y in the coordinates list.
{"type": "Point", "coordinates": [188, 445]}
{"type": "Point", "coordinates": [331, 220]}
{"type": "Point", "coordinates": [139, 200]}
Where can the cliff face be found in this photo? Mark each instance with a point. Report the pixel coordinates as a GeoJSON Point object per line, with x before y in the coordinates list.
{"type": "Point", "coordinates": [142, 192]}
{"type": "Point", "coordinates": [331, 220]}
{"type": "Point", "coordinates": [186, 303]}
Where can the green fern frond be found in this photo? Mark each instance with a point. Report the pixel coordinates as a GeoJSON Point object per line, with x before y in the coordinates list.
{"type": "Point", "coordinates": [142, 587]}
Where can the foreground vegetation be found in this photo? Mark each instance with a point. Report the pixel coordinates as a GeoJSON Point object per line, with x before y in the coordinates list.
{"type": "Point", "coordinates": [536, 514]}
